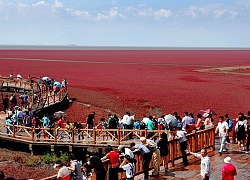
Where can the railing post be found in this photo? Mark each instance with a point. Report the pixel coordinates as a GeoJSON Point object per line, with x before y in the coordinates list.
{"type": "Point", "coordinates": [213, 138]}
{"type": "Point", "coordinates": [119, 136]}
{"type": "Point", "coordinates": [33, 134]}
{"type": "Point", "coordinates": [13, 130]}
{"type": "Point", "coordinates": [146, 132]}
{"type": "Point", "coordinates": [94, 135]}
{"type": "Point", "coordinates": [73, 136]}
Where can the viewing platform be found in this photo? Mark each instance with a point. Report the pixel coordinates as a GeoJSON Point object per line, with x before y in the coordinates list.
{"type": "Point", "coordinates": [40, 95]}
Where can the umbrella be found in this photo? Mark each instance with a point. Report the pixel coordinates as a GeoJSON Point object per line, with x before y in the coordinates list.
{"type": "Point", "coordinates": [45, 78]}
{"type": "Point", "coordinates": [57, 84]}
{"type": "Point", "coordinates": [209, 111]}
{"type": "Point", "coordinates": [171, 120]}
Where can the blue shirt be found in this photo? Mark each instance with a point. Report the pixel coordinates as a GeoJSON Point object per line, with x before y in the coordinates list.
{"type": "Point", "coordinates": [9, 122]}
{"type": "Point", "coordinates": [136, 125]}
{"type": "Point", "coordinates": [45, 121]}
{"type": "Point", "coordinates": [142, 148]}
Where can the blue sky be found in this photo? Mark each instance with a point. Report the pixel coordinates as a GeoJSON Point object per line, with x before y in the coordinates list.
{"type": "Point", "coordinates": [156, 23]}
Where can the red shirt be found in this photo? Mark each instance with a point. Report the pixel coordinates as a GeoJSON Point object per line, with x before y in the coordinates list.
{"type": "Point", "coordinates": [61, 121]}
{"type": "Point", "coordinates": [113, 159]}
{"type": "Point", "coordinates": [228, 171]}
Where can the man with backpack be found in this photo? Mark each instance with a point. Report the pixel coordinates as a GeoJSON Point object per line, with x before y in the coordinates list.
{"type": "Point", "coordinates": [113, 123]}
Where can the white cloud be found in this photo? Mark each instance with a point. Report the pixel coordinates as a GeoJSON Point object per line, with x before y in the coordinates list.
{"type": "Point", "coordinates": [142, 5]}
{"type": "Point", "coordinates": [213, 10]}
{"type": "Point", "coordinates": [20, 5]}
{"type": "Point", "coordinates": [39, 3]}
{"type": "Point", "coordinates": [113, 13]}
{"type": "Point", "coordinates": [162, 13]}
{"type": "Point", "coordinates": [58, 4]}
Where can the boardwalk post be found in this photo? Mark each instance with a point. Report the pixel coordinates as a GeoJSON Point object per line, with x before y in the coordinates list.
{"type": "Point", "coordinates": [13, 130]}
{"type": "Point", "coordinates": [213, 138]}
{"type": "Point", "coordinates": [73, 136]}
{"type": "Point", "coordinates": [119, 136]}
{"type": "Point", "coordinates": [32, 133]}
{"type": "Point", "coordinates": [94, 135]}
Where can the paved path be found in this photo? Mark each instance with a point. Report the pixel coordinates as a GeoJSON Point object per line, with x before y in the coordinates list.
{"type": "Point", "coordinates": [192, 171]}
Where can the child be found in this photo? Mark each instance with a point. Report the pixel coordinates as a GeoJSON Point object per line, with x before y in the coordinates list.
{"type": "Point", "coordinates": [87, 175]}
{"type": "Point", "coordinates": [129, 166]}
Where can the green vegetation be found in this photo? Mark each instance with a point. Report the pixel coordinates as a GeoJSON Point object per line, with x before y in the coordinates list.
{"type": "Point", "coordinates": [52, 157]}
{"type": "Point", "coordinates": [34, 161]}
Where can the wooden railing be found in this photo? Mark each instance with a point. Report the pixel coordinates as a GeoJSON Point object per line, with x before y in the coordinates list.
{"type": "Point", "coordinates": [196, 141]}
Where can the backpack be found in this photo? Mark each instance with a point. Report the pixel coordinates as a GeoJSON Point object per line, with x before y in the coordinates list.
{"type": "Point", "coordinates": [142, 125]}
{"type": "Point", "coordinates": [230, 124]}
{"type": "Point", "coordinates": [112, 122]}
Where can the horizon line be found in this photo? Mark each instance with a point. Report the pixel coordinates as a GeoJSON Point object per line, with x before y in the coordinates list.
{"type": "Point", "coordinates": [83, 47]}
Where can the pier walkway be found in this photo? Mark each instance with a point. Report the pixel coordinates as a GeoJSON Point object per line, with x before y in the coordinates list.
{"type": "Point", "coordinates": [192, 171]}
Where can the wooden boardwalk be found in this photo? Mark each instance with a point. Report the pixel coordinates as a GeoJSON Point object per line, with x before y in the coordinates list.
{"type": "Point", "coordinates": [192, 171]}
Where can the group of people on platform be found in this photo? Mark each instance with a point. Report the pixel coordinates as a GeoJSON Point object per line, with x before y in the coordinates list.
{"type": "Point", "coordinates": [123, 159]}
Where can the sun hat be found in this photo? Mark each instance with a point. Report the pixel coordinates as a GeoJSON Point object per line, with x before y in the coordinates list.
{"type": "Point", "coordinates": [120, 147]}
{"type": "Point", "coordinates": [58, 163]}
{"type": "Point", "coordinates": [142, 139]}
{"type": "Point", "coordinates": [227, 160]}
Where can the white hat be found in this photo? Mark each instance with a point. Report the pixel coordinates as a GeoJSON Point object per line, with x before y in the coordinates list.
{"type": "Point", "coordinates": [56, 165]}
{"type": "Point", "coordinates": [227, 160]}
{"type": "Point", "coordinates": [142, 139]}
{"type": "Point", "coordinates": [120, 147]}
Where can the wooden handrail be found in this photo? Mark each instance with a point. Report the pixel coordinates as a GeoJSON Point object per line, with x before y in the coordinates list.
{"type": "Point", "coordinates": [196, 141]}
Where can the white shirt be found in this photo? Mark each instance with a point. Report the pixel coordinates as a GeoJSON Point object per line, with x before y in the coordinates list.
{"type": "Point", "coordinates": [124, 118]}
{"type": "Point", "coordinates": [187, 120]}
{"type": "Point", "coordinates": [63, 172]}
{"type": "Point", "coordinates": [145, 120]}
{"type": "Point", "coordinates": [130, 169]}
{"type": "Point", "coordinates": [129, 152]}
{"type": "Point", "coordinates": [240, 123]}
{"type": "Point", "coordinates": [182, 135]}
{"type": "Point", "coordinates": [205, 164]}
{"type": "Point", "coordinates": [222, 126]}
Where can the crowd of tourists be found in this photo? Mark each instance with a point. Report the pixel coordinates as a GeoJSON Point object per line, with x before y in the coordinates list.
{"type": "Point", "coordinates": [123, 158]}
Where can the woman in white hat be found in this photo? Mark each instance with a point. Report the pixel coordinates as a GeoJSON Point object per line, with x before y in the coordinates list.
{"type": "Point", "coordinates": [228, 170]}
{"type": "Point", "coordinates": [63, 172]}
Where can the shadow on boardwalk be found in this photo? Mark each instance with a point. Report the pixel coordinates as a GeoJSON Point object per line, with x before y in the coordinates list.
{"type": "Point", "coordinates": [192, 171]}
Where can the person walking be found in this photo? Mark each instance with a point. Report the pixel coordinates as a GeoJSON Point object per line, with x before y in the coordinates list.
{"type": "Point", "coordinates": [222, 128]}
{"type": "Point", "coordinates": [205, 163]}
{"type": "Point", "coordinates": [248, 135]}
{"type": "Point", "coordinates": [146, 157]}
{"type": "Point", "coordinates": [90, 123]}
{"type": "Point", "coordinates": [163, 147]}
{"type": "Point", "coordinates": [240, 129]}
{"type": "Point", "coordinates": [228, 170]}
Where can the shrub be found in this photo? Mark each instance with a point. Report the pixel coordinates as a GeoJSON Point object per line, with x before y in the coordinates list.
{"type": "Point", "coordinates": [33, 161]}
{"type": "Point", "coordinates": [19, 158]}
{"type": "Point", "coordinates": [49, 158]}
{"type": "Point", "coordinates": [64, 157]}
